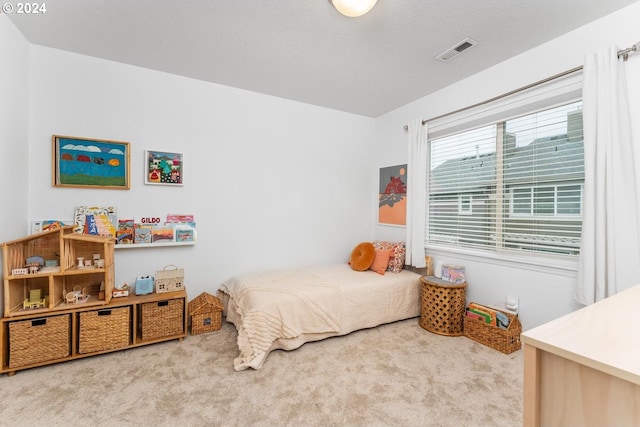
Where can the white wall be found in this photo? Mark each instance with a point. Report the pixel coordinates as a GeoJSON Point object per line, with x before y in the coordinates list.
{"type": "Point", "coordinates": [14, 129]}
{"type": "Point", "coordinates": [272, 183]}
{"type": "Point", "coordinates": [544, 293]}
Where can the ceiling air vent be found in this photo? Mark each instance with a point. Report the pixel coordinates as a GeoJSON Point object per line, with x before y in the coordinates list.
{"type": "Point", "coordinates": [456, 50]}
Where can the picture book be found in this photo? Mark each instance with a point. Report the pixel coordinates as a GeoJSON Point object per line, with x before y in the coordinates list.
{"type": "Point", "coordinates": [142, 233]}
{"type": "Point", "coordinates": [103, 220]}
{"type": "Point", "coordinates": [125, 235]}
{"type": "Point", "coordinates": [173, 218]}
{"type": "Point", "coordinates": [48, 224]}
{"type": "Point", "coordinates": [185, 234]}
{"type": "Point", "coordinates": [488, 313]}
{"type": "Point", "coordinates": [161, 234]}
{"type": "Point", "coordinates": [100, 225]}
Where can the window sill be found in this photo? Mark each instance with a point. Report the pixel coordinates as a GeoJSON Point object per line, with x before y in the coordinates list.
{"type": "Point", "coordinates": [545, 264]}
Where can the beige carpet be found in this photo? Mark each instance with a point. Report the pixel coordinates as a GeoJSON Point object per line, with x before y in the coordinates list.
{"type": "Point", "coordinates": [393, 375]}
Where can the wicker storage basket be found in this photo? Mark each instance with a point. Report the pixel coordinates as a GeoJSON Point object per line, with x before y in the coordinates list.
{"type": "Point", "coordinates": [162, 319]}
{"type": "Point", "coordinates": [170, 279]}
{"type": "Point", "coordinates": [504, 340]}
{"type": "Point", "coordinates": [39, 340]}
{"type": "Point", "coordinates": [106, 329]}
{"type": "Point", "coordinates": [205, 312]}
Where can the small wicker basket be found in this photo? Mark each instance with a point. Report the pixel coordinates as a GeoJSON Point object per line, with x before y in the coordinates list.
{"type": "Point", "coordinates": [162, 319]}
{"type": "Point", "coordinates": [105, 329]}
{"type": "Point", "coordinates": [39, 340]}
{"type": "Point", "coordinates": [170, 279]}
{"type": "Point", "coordinates": [205, 312]}
{"type": "Point", "coordinates": [504, 340]}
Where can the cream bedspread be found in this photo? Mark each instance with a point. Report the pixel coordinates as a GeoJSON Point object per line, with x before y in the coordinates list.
{"type": "Point", "coordinates": [283, 309]}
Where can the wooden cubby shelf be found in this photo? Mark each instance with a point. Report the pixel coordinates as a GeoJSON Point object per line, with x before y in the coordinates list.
{"type": "Point", "coordinates": [66, 311]}
{"type": "Point", "coordinates": [124, 323]}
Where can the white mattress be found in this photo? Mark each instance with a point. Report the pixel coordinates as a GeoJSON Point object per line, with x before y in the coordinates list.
{"type": "Point", "coordinates": [283, 309]}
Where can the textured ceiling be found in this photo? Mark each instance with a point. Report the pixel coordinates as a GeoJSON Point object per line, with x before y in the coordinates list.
{"type": "Point", "coordinates": [304, 50]}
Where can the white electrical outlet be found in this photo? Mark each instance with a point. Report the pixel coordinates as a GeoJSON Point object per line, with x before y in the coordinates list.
{"type": "Point", "coordinates": [512, 303]}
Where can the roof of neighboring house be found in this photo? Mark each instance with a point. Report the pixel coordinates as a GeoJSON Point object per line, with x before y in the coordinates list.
{"type": "Point", "coordinates": [464, 174]}
{"type": "Point", "coordinates": [469, 174]}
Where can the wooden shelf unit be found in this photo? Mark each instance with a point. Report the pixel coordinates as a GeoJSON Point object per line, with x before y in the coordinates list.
{"type": "Point", "coordinates": [59, 330]}
{"type": "Point", "coordinates": [136, 324]}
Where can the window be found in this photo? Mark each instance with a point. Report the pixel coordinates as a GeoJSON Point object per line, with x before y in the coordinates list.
{"type": "Point", "coordinates": [558, 201]}
{"type": "Point", "coordinates": [465, 206]}
{"type": "Point", "coordinates": [513, 185]}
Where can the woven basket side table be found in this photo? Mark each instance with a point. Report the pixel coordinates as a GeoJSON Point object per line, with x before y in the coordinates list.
{"type": "Point", "coordinates": [442, 306]}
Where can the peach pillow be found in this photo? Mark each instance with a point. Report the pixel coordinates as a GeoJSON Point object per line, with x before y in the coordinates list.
{"type": "Point", "coordinates": [396, 260]}
{"type": "Point", "coordinates": [381, 261]}
{"type": "Point", "coordinates": [362, 256]}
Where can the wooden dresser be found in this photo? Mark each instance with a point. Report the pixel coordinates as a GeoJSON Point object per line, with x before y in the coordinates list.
{"type": "Point", "coordinates": [583, 369]}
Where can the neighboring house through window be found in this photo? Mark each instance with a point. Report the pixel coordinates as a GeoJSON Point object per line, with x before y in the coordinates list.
{"type": "Point", "coordinates": [554, 201]}
{"type": "Point", "coordinates": [514, 184]}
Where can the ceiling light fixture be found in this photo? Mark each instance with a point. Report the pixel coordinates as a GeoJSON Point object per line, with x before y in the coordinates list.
{"type": "Point", "coordinates": [353, 8]}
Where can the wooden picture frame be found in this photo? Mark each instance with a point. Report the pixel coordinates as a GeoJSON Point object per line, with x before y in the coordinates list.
{"type": "Point", "coordinates": [163, 168]}
{"type": "Point", "coordinates": [90, 163]}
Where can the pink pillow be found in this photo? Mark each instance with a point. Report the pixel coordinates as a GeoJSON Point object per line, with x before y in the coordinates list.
{"type": "Point", "coordinates": [381, 261]}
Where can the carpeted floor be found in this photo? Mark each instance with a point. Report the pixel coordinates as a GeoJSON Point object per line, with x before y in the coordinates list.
{"type": "Point", "coordinates": [393, 375]}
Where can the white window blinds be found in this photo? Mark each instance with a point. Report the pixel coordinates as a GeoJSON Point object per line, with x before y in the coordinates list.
{"type": "Point", "coordinates": [514, 183]}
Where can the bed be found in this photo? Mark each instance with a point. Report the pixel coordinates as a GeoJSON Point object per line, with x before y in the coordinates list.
{"type": "Point", "coordinates": [283, 309]}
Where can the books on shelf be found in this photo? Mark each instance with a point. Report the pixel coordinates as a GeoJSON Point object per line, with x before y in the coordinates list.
{"type": "Point", "coordinates": [177, 228]}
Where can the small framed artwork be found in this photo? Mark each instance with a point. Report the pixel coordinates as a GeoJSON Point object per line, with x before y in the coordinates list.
{"type": "Point", "coordinates": [163, 168]}
{"type": "Point", "coordinates": [90, 163]}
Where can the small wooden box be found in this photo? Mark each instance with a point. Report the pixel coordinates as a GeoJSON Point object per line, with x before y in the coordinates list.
{"type": "Point", "coordinates": [205, 312]}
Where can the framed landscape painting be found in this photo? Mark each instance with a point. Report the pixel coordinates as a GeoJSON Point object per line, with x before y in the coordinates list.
{"type": "Point", "coordinates": [163, 168]}
{"type": "Point", "coordinates": [91, 163]}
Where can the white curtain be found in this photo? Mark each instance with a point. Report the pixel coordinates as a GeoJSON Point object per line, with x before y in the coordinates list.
{"type": "Point", "coordinates": [416, 193]}
{"type": "Point", "coordinates": [610, 252]}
